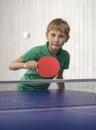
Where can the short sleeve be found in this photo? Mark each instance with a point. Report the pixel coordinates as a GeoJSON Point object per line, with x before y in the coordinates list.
{"type": "Point", "coordinates": [67, 61]}
{"type": "Point", "coordinates": [29, 55]}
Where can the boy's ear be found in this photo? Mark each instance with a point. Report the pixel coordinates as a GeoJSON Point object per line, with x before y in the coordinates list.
{"type": "Point", "coordinates": [46, 35]}
{"type": "Point", "coordinates": [67, 38]}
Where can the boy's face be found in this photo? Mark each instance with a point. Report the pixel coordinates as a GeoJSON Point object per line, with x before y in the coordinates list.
{"type": "Point", "coordinates": [56, 40]}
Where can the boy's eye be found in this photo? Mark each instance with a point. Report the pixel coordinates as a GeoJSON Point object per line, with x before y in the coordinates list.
{"type": "Point", "coordinates": [61, 36]}
{"type": "Point", "coordinates": [53, 35]}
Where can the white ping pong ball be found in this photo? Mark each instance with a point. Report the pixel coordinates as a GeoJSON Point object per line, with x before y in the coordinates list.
{"type": "Point", "coordinates": [26, 35]}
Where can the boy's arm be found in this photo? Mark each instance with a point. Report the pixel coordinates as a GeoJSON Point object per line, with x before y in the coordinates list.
{"type": "Point", "coordinates": [19, 64]}
{"type": "Point", "coordinates": [16, 64]}
{"type": "Point", "coordinates": [60, 76]}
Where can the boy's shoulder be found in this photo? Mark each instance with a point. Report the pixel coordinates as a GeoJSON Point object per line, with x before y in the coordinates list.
{"type": "Point", "coordinates": [65, 52]}
{"type": "Point", "coordinates": [39, 47]}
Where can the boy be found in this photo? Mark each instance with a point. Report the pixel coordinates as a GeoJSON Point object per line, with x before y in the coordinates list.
{"type": "Point", "coordinates": [57, 35]}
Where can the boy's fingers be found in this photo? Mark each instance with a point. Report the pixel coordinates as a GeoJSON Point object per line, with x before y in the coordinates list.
{"type": "Point", "coordinates": [32, 65]}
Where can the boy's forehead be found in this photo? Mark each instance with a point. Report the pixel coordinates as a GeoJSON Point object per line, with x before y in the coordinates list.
{"type": "Point", "coordinates": [57, 31]}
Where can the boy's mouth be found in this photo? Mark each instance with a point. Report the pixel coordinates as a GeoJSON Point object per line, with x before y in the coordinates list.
{"type": "Point", "coordinates": [55, 44]}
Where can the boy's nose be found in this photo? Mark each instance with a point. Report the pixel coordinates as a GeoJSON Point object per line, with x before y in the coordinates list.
{"type": "Point", "coordinates": [56, 39]}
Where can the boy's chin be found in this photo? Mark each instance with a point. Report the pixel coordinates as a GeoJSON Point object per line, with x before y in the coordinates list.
{"type": "Point", "coordinates": [55, 48]}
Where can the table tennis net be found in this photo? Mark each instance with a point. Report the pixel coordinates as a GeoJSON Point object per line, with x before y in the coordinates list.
{"type": "Point", "coordinates": [76, 93]}
{"type": "Point", "coordinates": [88, 85]}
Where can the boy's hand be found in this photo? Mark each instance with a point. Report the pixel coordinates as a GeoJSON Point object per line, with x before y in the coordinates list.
{"type": "Point", "coordinates": [32, 65]}
{"type": "Point", "coordinates": [60, 76]}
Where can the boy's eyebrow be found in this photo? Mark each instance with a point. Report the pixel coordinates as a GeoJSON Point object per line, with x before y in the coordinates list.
{"type": "Point", "coordinates": [53, 33]}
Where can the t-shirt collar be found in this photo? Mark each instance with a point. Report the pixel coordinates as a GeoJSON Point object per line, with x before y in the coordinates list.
{"type": "Point", "coordinates": [46, 47]}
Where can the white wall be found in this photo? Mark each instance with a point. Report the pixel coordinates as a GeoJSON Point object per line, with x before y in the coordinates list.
{"type": "Point", "coordinates": [17, 16]}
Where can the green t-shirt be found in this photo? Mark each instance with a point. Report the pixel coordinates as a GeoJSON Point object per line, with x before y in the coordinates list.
{"type": "Point", "coordinates": [36, 53]}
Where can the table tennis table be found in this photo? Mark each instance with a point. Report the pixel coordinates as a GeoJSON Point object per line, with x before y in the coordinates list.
{"type": "Point", "coordinates": [50, 109]}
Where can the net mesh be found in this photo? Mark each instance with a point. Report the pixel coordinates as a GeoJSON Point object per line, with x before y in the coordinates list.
{"type": "Point", "coordinates": [87, 85]}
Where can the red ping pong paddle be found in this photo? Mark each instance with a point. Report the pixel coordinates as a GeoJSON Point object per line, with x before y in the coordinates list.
{"type": "Point", "coordinates": [48, 66]}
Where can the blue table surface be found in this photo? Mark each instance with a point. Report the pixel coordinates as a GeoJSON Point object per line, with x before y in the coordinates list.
{"type": "Point", "coordinates": [47, 109]}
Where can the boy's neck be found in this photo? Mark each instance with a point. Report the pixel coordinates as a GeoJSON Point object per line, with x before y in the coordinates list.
{"type": "Point", "coordinates": [53, 52]}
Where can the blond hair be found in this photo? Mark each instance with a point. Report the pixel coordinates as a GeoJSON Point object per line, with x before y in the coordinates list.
{"type": "Point", "coordinates": [58, 25]}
